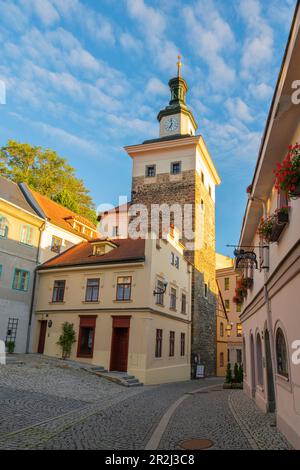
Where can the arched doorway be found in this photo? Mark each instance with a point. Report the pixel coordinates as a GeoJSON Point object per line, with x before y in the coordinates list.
{"type": "Point", "coordinates": [270, 380]}
{"type": "Point", "coordinates": [259, 361]}
{"type": "Point", "coordinates": [252, 365]}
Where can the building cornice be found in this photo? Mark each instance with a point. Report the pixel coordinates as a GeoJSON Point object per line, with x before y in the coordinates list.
{"type": "Point", "coordinates": [193, 141]}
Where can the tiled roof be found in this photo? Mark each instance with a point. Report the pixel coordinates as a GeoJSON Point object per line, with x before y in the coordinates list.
{"type": "Point", "coordinates": [61, 216]}
{"type": "Point", "coordinates": [126, 250]}
{"type": "Point", "coordinates": [11, 192]}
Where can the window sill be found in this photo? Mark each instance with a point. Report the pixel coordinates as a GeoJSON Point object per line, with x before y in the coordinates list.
{"type": "Point", "coordinates": [85, 356]}
{"type": "Point", "coordinates": [91, 302]}
{"type": "Point", "coordinates": [57, 303]}
{"type": "Point", "coordinates": [122, 301]}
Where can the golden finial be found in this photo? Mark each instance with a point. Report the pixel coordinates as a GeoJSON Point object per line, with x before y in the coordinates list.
{"type": "Point", "coordinates": [179, 64]}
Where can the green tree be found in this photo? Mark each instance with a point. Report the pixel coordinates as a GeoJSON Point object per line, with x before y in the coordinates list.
{"type": "Point", "coordinates": [236, 373]}
{"type": "Point", "coordinates": [49, 174]}
{"type": "Point", "coordinates": [67, 339]}
{"type": "Point", "coordinates": [228, 374]}
{"type": "Point", "coordinates": [240, 374]}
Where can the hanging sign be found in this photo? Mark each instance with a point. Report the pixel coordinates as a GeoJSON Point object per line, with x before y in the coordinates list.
{"type": "Point", "coordinates": [241, 256]}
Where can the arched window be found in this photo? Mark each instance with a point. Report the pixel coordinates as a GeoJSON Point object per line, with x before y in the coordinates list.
{"type": "Point", "coordinates": [259, 360]}
{"type": "Point", "coordinates": [221, 330]}
{"type": "Point", "coordinates": [281, 354]}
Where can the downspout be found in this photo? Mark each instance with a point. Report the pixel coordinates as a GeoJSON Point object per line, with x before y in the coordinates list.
{"type": "Point", "coordinates": [41, 229]}
{"type": "Point", "coordinates": [268, 303]}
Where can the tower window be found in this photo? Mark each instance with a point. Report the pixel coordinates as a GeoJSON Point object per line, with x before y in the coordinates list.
{"type": "Point", "coordinates": [175, 168]}
{"type": "Point", "coordinates": [150, 171]}
{"type": "Point", "coordinates": [209, 190]}
{"type": "Point", "coordinates": [202, 177]}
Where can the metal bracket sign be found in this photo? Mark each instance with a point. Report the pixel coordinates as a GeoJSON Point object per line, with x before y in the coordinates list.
{"type": "Point", "coordinates": [241, 256]}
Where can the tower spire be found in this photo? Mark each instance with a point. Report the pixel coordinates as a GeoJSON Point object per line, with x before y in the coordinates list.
{"type": "Point", "coordinates": [179, 64]}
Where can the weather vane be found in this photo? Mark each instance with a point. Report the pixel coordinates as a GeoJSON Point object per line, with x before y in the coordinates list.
{"type": "Point", "coordinates": [179, 64]}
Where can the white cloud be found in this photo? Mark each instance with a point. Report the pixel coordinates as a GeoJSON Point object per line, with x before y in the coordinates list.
{"type": "Point", "coordinates": [238, 109]}
{"type": "Point", "coordinates": [258, 45]}
{"type": "Point", "coordinates": [45, 11]}
{"type": "Point", "coordinates": [211, 36]}
{"type": "Point", "coordinates": [152, 24]}
{"type": "Point", "coordinates": [130, 43]}
{"type": "Point", "coordinates": [156, 87]}
{"type": "Point", "coordinates": [93, 23]}
{"type": "Point", "coordinates": [261, 91]}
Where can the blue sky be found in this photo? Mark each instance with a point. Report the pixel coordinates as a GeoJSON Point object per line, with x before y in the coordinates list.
{"type": "Point", "coordinates": [86, 77]}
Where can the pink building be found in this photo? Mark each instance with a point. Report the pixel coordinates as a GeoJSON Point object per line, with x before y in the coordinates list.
{"type": "Point", "coordinates": [271, 309]}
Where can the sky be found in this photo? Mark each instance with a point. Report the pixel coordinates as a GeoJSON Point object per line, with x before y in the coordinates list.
{"type": "Point", "coordinates": [87, 77]}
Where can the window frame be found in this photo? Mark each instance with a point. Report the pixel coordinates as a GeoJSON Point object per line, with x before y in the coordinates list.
{"type": "Point", "coordinates": [147, 171]}
{"type": "Point", "coordinates": [124, 285]}
{"type": "Point", "coordinates": [3, 220]}
{"type": "Point", "coordinates": [172, 344]}
{"type": "Point", "coordinates": [183, 310]}
{"type": "Point", "coordinates": [92, 287]}
{"type": "Point", "coordinates": [182, 344]}
{"type": "Point", "coordinates": [29, 230]}
{"type": "Point", "coordinates": [284, 374]}
{"type": "Point", "coordinates": [172, 168]}
{"type": "Point", "coordinates": [53, 245]}
{"type": "Point", "coordinates": [160, 296]}
{"type": "Point", "coordinates": [226, 283]}
{"type": "Point", "coordinates": [27, 280]}
{"type": "Point", "coordinates": [173, 298]}
{"type": "Point", "coordinates": [158, 343]}
{"type": "Point", "coordinates": [58, 288]}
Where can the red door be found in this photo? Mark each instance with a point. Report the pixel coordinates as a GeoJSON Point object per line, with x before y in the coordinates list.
{"type": "Point", "coordinates": [42, 338]}
{"type": "Point", "coordinates": [119, 349]}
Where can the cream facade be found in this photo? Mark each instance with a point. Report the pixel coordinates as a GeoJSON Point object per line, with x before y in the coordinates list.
{"type": "Point", "coordinates": [270, 315]}
{"type": "Point", "coordinates": [222, 340]}
{"type": "Point", "coordinates": [20, 232]}
{"type": "Point", "coordinates": [157, 337]}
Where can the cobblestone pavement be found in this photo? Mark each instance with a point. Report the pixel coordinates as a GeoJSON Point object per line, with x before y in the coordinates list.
{"type": "Point", "coordinates": [47, 404]}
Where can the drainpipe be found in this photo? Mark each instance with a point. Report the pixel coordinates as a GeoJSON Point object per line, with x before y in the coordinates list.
{"type": "Point", "coordinates": [268, 303]}
{"type": "Point", "coordinates": [41, 229]}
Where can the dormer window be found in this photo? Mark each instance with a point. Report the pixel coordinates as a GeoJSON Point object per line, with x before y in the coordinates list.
{"type": "Point", "coordinates": [103, 247]}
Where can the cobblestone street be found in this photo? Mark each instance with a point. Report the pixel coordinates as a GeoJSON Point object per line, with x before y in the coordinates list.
{"type": "Point", "coordinates": [50, 404]}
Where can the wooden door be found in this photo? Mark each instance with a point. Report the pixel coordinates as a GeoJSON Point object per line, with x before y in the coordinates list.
{"type": "Point", "coordinates": [42, 338]}
{"type": "Point", "coordinates": [119, 349]}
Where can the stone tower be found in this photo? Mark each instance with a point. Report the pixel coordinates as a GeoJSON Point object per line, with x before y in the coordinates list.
{"type": "Point", "coordinates": [176, 168]}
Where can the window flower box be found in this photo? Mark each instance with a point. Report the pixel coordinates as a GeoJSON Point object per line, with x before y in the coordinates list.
{"type": "Point", "coordinates": [281, 219]}
{"type": "Point", "coordinates": [287, 173]}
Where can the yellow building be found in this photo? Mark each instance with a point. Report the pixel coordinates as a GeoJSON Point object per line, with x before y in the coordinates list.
{"type": "Point", "coordinates": [222, 340]}
{"type": "Point", "coordinates": [227, 279]}
{"type": "Point", "coordinates": [20, 231]}
{"type": "Point", "coordinates": [125, 316]}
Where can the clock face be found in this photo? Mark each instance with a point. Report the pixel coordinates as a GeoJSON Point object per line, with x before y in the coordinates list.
{"type": "Point", "coordinates": [172, 124]}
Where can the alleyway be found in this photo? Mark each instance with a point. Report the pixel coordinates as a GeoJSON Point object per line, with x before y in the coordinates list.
{"type": "Point", "coordinates": [46, 404]}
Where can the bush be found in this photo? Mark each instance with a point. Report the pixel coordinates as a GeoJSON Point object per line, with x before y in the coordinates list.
{"type": "Point", "coordinates": [67, 339]}
{"type": "Point", "coordinates": [236, 373]}
{"type": "Point", "coordinates": [228, 374]}
{"type": "Point", "coordinates": [10, 346]}
{"type": "Point", "coordinates": [240, 374]}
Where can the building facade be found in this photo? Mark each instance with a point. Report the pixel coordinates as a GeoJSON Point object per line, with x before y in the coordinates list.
{"type": "Point", "coordinates": [222, 339]}
{"type": "Point", "coordinates": [106, 289]}
{"type": "Point", "coordinates": [33, 230]}
{"type": "Point", "coordinates": [270, 315]}
{"type": "Point", "coordinates": [227, 282]}
{"type": "Point", "coordinates": [176, 169]}
{"type": "Point", "coordinates": [20, 233]}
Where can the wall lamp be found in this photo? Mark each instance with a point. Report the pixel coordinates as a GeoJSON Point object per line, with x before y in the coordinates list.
{"type": "Point", "coordinates": [158, 290]}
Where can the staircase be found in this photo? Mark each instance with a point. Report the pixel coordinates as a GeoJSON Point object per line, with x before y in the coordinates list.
{"type": "Point", "coordinates": [121, 378]}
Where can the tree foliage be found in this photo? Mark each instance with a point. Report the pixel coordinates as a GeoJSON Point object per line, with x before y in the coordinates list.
{"type": "Point", "coordinates": [67, 339]}
{"type": "Point", "coordinates": [48, 173]}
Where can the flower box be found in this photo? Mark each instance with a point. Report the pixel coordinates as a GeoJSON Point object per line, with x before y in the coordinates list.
{"type": "Point", "coordinates": [295, 194]}
{"type": "Point", "coordinates": [280, 222]}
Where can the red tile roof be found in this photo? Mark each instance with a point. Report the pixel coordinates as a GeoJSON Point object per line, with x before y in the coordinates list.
{"type": "Point", "coordinates": [61, 216]}
{"type": "Point", "coordinates": [126, 250]}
